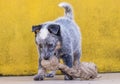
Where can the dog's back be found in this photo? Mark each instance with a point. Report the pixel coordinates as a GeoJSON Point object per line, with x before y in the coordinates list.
{"type": "Point", "coordinates": [70, 31]}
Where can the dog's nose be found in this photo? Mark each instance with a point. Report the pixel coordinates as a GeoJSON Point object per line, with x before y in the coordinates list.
{"type": "Point", "coordinates": [46, 57]}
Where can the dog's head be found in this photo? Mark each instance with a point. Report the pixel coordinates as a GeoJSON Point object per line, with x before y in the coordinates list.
{"type": "Point", "coordinates": [47, 37]}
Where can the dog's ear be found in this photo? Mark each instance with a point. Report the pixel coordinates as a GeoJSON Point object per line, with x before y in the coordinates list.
{"type": "Point", "coordinates": [54, 28]}
{"type": "Point", "coordinates": [36, 28]}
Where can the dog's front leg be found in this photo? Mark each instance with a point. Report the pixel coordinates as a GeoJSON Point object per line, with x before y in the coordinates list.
{"type": "Point", "coordinates": [67, 59]}
{"type": "Point", "coordinates": [41, 72]}
{"type": "Point", "coordinates": [39, 75]}
{"type": "Point", "coordinates": [50, 74]}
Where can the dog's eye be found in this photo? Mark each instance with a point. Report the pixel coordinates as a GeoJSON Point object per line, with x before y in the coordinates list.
{"type": "Point", "coordinates": [40, 45]}
{"type": "Point", "coordinates": [50, 45]}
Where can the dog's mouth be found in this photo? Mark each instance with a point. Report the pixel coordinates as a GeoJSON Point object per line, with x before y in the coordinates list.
{"type": "Point", "coordinates": [55, 54]}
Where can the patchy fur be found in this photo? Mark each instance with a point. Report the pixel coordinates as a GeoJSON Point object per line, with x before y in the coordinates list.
{"type": "Point", "coordinates": [65, 31]}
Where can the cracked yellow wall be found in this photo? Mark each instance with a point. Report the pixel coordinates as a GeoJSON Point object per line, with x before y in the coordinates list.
{"type": "Point", "coordinates": [100, 26]}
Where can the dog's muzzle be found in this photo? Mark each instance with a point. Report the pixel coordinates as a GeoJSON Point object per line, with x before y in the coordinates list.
{"type": "Point", "coordinates": [47, 57]}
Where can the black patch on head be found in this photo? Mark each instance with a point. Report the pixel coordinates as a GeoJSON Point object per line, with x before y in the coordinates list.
{"type": "Point", "coordinates": [36, 27]}
{"type": "Point", "coordinates": [54, 28]}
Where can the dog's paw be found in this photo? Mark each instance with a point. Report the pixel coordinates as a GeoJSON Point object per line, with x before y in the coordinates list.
{"type": "Point", "coordinates": [49, 75]}
{"type": "Point", "coordinates": [67, 77]}
{"type": "Point", "coordinates": [38, 77]}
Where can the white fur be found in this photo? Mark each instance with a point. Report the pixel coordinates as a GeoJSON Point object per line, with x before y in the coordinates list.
{"type": "Point", "coordinates": [68, 9]}
{"type": "Point", "coordinates": [43, 33]}
{"type": "Point", "coordinates": [63, 4]}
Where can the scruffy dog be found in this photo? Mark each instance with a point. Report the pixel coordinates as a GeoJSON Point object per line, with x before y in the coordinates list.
{"type": "Point", "coordinates": [60, 38]}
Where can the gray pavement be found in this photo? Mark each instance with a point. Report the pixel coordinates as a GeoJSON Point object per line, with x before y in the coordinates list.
{"type": "Point", "coordinates": [106, 78]}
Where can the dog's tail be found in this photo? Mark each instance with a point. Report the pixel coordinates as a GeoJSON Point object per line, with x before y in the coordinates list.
{"type": "Point", "coordinates": [68, 9]}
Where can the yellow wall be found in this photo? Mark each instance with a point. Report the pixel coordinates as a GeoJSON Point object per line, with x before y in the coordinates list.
{"type": "Point", "coordinates": [100, 26]}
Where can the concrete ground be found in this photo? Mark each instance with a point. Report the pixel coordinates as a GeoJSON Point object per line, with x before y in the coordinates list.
{"type": "Point", "coordinates": [106, 78]}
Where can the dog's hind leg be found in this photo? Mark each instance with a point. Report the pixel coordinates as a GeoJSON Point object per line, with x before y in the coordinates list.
{"type": "Point", "coordinates": [77, 55]}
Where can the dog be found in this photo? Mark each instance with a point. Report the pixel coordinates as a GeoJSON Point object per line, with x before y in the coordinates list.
{"type": "Point", "coordinates": [60, 38]}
